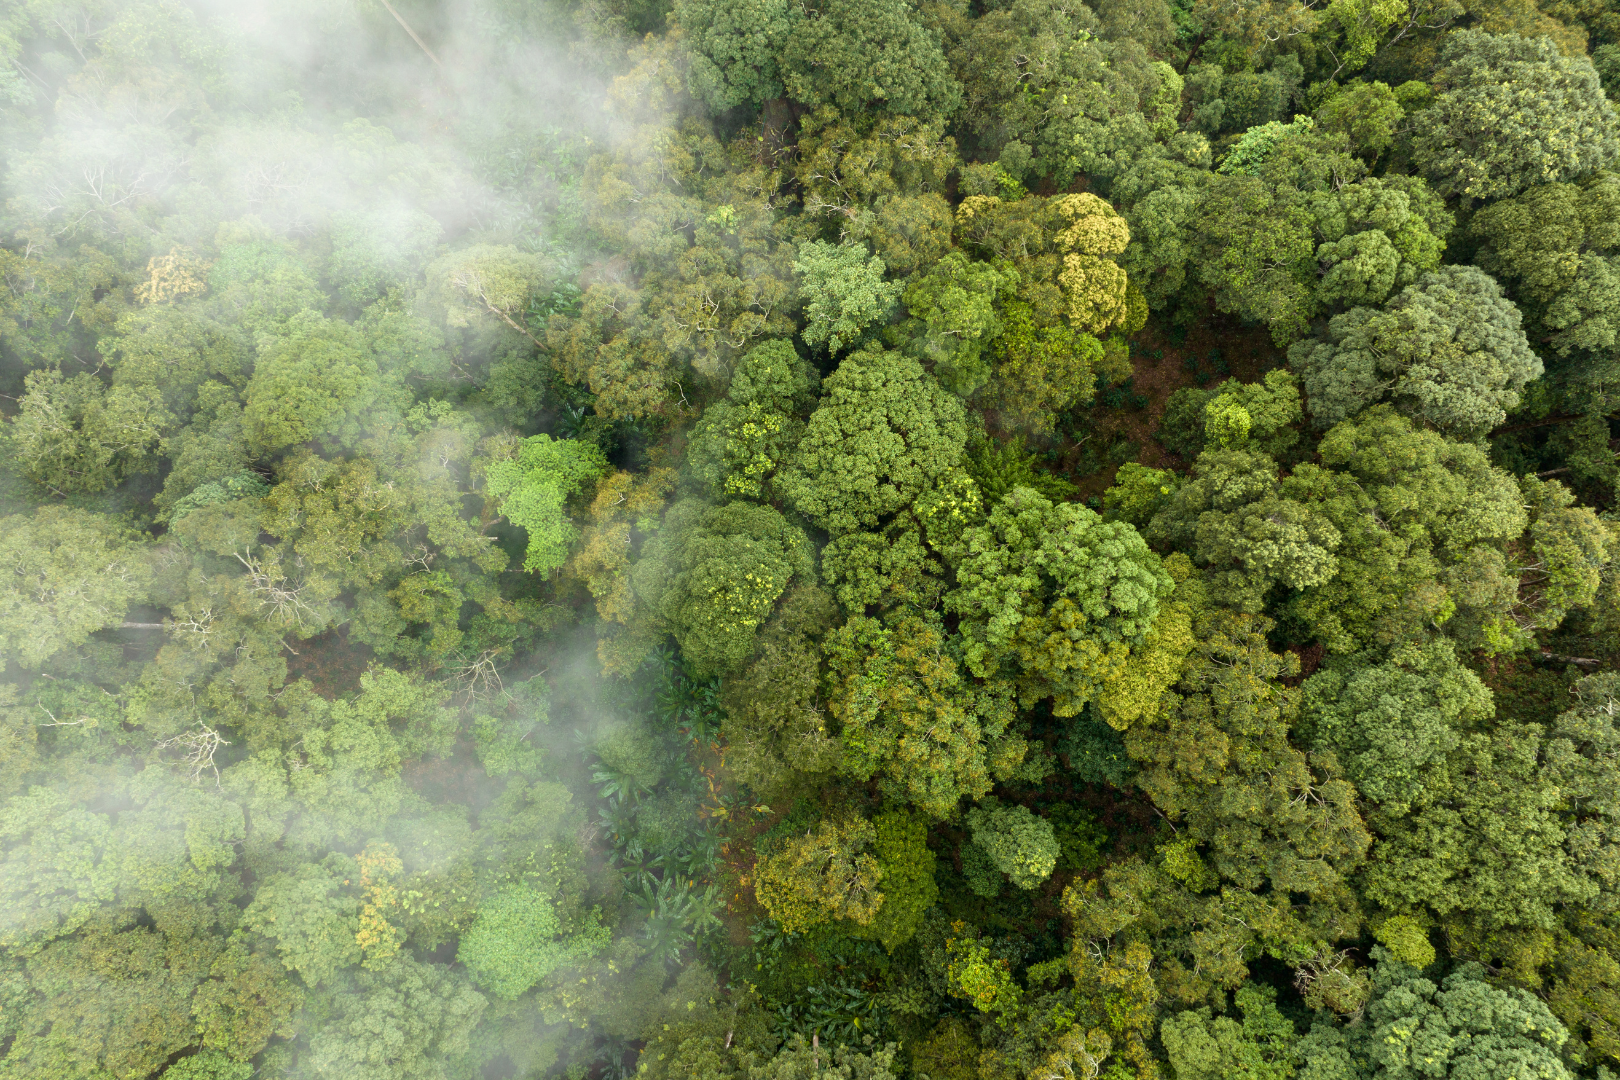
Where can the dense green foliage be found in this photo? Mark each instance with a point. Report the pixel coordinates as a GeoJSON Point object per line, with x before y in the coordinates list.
{"type": "Point", "coordinates": [826, 540]}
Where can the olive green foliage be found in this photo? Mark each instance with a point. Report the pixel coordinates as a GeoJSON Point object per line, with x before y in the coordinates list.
{"type": "Point", "coordinates": [883, 433]}
{"type": "Point", "coordinates": [880, 179]}
{"type": "Point", "coordinates": [1249, 156]}
{"type": "Point", "coordinates": [1408, 506]}
{"type": "Point", "coordinates": [1272, 408]}
{"type": "Point", "coordinates": [1042, 370]}
{"type": "Point", "coordinates": [486, 281]}
{"type": "Point", "coordinates": [312, 921]}
{"type": "Point", "coordinates": [77, 435]}
{"type": "Point", "coordinates": [1217, 759]}
{"type": "Point", "coordinates": [1138, 493]}
{"type": "Point", "coordinates": [910, 714]}
{"type": "Point", "coordinates": [1572, 548]}
{"type": "Point", "coordinates": [801, 1061]}
{"type": "Point", "coordinates": [411, 1020]}
{"type": "Point", "coordinates": [1238, 519]}
{"type": "Point", "coordinates": [1306, 231]}
{"type": "Point", "coordinates": [533, 486]}
{"type": "Point", "coordinates": [69, 574]}
{"type": "Point", "coordinates": [1448, 350]}
{"type": "Point", "coordinates": [209, 1065]}
{"type": "Point", "coordinates": [1511, 112]}
{"type": "Point", "coordinates": [825, 873]}
{"type": "Point", "coordinates": [1039, 75]}
{"type": "Point", "coordinates": [315, 378]}
{"type": "Point", "coordinates": [774, 721]}
{"type": "Point", "coordinates": [1370, 113]}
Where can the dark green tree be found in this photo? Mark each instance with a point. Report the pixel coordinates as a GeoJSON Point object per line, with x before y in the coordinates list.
{"type": "Point", "coordinates": [884, 432]}
{"type": "Point", "coordinates": [868, 56]}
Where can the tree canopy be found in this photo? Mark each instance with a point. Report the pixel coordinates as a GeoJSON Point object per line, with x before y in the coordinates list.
{"type": "Point", "coordinates": [809, 540]}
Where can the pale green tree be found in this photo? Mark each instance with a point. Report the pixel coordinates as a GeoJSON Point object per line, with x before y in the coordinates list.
{"type": "Point", "coordinates": [517, 940]}
{"type": "Point", "coordinates": [1555, 247]}
{"type": "Point", "coordinates": [1217, 760]}
{"type": "Point", "coordinates": [314, 379]}
{"type": "Point", "coordinates": [844, 291]}
{"type": "Point", "coordinates": [487, 282]}
{"type": "Point", "coordinates": [311, 918]}
{"type": "Point", "coordinates": [1448, 350]}
{"type": "Point", "coordinates": [1235, 517]}
{"type": "Point", "coordinates": [74, 435]}
{"type": "Point", "coordinates": [1511, 112]}
{"type": "Point", "coordinates": [68, 574]}
{"type": "Point", "coordinates": [411, 1021]}
{"type": "Point", "coordinates": [1423, 523]}
{"type": "Point", "coordinates": [802, 1060]}
{"type": "Point", "coordinates": [954, 318]}
{"type": "Point", "coordinates": [1368, 112]}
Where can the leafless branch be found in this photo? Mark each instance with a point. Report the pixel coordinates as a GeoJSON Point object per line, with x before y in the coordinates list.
{"type": "Point", "coordinates": [199, 747]}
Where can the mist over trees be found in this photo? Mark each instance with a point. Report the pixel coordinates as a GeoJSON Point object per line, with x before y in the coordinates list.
{"type": "Point", "coordinates": [809, 540]}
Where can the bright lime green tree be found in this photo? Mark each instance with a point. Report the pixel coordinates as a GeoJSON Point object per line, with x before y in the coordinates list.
{"type": "Point", "coordinates": [532, 488]}
{"type": "Point", "coordinates": [517, 940]}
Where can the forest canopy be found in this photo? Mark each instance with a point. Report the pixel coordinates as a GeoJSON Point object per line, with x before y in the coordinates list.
{"type": "Point", "coordinates": [810, 540]}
